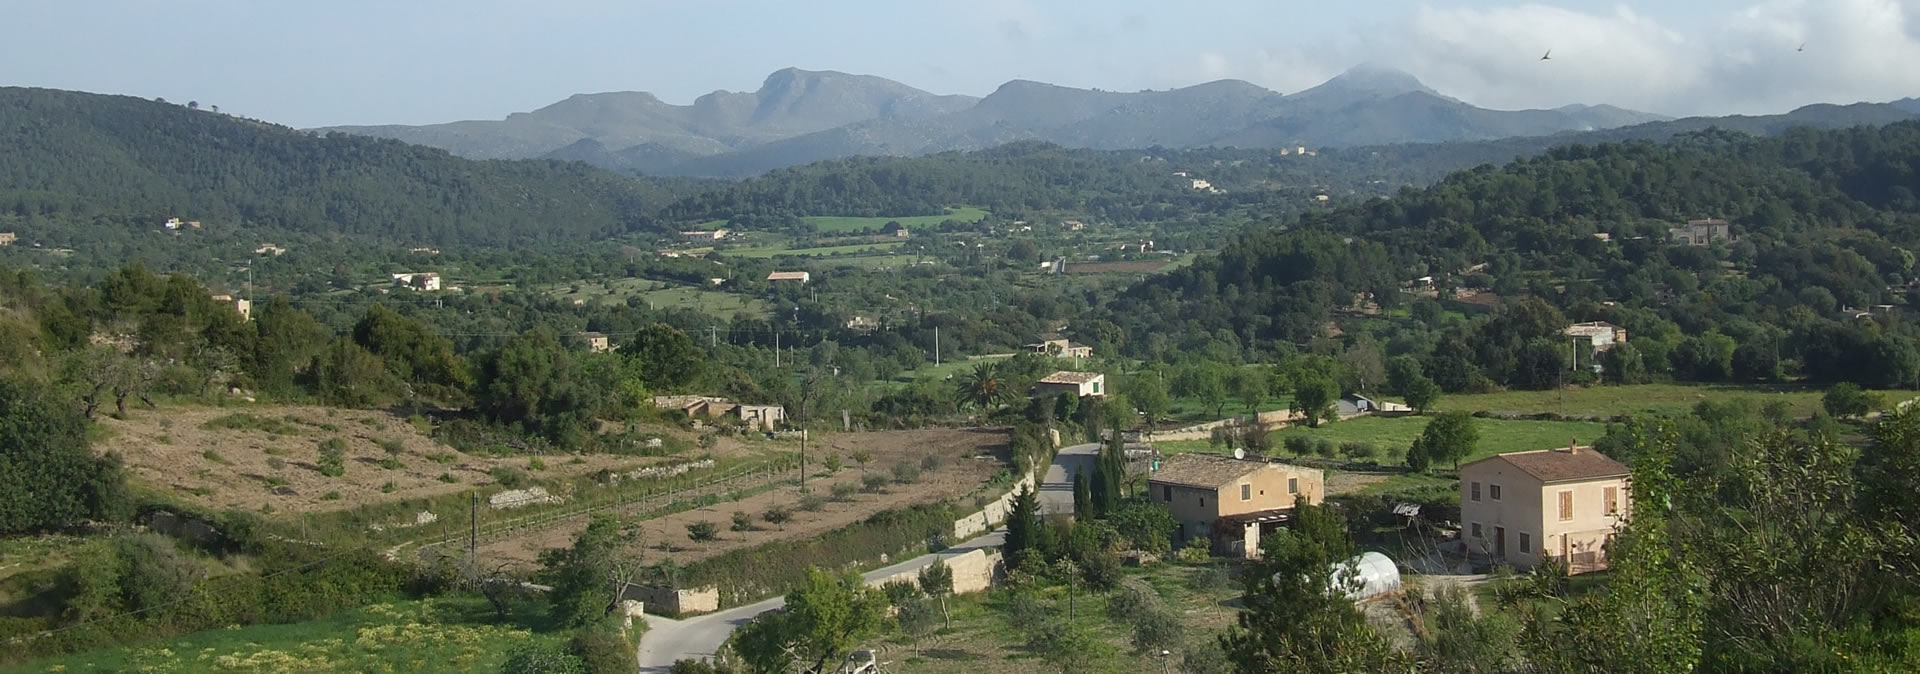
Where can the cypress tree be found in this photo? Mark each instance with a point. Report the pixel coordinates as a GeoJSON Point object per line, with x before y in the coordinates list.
{"type": "Point", "coordinates": [1024, 529]}
{"type": "Point", "coordinates": [1082, 496]}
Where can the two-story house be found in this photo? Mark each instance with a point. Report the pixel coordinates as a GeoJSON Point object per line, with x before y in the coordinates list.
{"type": "Point", "coordinates": [1060, 347]}
{"type": "Point", "coordinates": [1231, 502]}
{"type": "Point", "coordinates": [1525, 507]}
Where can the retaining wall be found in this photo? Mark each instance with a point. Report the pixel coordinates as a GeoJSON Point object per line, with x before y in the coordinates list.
{"type": "Point", "coordinates": [973, 571]}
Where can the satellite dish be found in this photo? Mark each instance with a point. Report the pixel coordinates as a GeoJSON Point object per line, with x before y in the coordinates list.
{"type": "Point", "coordinates": [1239, 453]}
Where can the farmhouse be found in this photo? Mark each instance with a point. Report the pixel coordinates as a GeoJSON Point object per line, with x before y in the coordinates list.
{"type": "Point", "coordinates": [1060, 347]}
{"type": "Point", "coordinates": [597, 342]}
{"type": "Point", "coordinates": [801, 276]}
{"type": "Point", "coordinates": [1601, 335]}
{"type": "Point", "coordinates": [1081, 384]}
{"type": "Point", "coordinates": [1231, 502]}
{"type": "Point", "coordinates": [269, 249]}
{"type": "Point", "coordinates": [1526, 507]}
{"type": "Point", "coordinates": [763, 417]}
{"type": "Point", "coordinates": [424, 280]}
{"type": "Point", "coordinates": [7, 238]}
{"type": "Point", "coordinates": [704, 235]}
{"type": "Point", "coordinates": [244, 307]}
{"type": "Point", "coordinates": [1700, 233]}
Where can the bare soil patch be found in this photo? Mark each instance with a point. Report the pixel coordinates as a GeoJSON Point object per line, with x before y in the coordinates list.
{"type": "Point", "coordinates": [958, 473]}
{"type": "Point", "coordinates": [1343, 482]}
{"type": "Point", "coordinates": [271, 456]}
{"type": "Point", "coordinates": [1139, 267]}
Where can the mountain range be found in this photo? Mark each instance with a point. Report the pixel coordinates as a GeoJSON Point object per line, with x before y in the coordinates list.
{"type": "Point", "coordinates": [799, 116]}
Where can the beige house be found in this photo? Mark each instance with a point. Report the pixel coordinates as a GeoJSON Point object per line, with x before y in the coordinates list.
{"type": "Point", "coordinates": [704, 235]}
{"type": "Point", "coordinates": [1080, 384]}
{"type": "Point", "coordinates": [597, 342]}
{"type": "Point", "coordinates": [1700, 233]}
{"type": "Point", "coordinates": [7, 238]}
{"type": "Point", "coordinates": [801, 276]}
{"type": "Point", "coordinates": [1060, 347]}
{"type": "Point", "coordinates": [1232, 502]}
{"type": "Point", "coordinates": [1599, 334]}
{"type": "Point", "coordinates": [1525, 507]}
{"type": "Point", "coordinates": [763, 417]}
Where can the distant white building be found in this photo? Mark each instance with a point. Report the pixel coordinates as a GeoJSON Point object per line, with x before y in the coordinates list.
{"type": "Point", "coordinates": [704, 235]}
{"type": "Point", "coordinates": [801, 276]}
{"type": "Point", "coordinates": [425, 280]}
{"type": "Point", "coordinates": [1599, 334]}
{"type": "Point", "coordinates": [269, 249]}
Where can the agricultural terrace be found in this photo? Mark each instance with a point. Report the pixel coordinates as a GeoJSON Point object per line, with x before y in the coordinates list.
{"type": "Point", "coordinates": [660, 295]}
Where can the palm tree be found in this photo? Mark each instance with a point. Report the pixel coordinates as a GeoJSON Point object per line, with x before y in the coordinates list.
{"type": "Point", "coordinates": [985, 387]}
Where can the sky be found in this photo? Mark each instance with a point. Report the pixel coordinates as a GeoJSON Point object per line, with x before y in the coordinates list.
{"type": "Point", "coordinates": [334, 62]}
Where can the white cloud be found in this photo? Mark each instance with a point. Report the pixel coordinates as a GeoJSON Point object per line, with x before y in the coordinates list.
{"type": "Point", "coordinates": [1743, 61]}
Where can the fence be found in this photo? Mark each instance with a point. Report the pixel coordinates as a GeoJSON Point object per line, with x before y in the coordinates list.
{"type": "Point", "coordinates": [650, 502]}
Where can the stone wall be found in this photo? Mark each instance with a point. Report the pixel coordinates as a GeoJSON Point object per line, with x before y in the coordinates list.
{"type": "Point", "coordinates": [973, 571]}
{"type": "Point", "coordinates": [670, 602]}
{"type": "Point", "coordinates": [990, 516]}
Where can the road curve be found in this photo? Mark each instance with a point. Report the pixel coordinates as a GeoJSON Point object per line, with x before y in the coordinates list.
{"type": "Point", "coordinates": [668, 640]}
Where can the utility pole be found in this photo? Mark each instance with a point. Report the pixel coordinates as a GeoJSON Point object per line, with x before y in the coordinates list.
{"type": "Point", "coordinates": [713, 336]}
{"type": "Point", "coordinates": [776, 349]}
{"type": "Point", "coordinates": [936, 346]}
{"type": "Point", "coordinates": [473, 531]}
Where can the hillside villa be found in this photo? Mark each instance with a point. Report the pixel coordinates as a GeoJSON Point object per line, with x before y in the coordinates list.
{"type": "Point", "coordinates": [801, 276]}
{"type": "Point", "coordinates": [597, 342]}
{"type": "Point", "coordinates": [1077, 384]}
{"type": "Point", "coordinates": [1060, 347]}
{"type": "Point", "coordinates": [243, 306]}
{"type": "Point", "coordinates": [1700, 233]}
{"type": "Point", "coordinates": [704, 235]}
{"type": "Point", "coordinates": [7, 238]}
{"type": "Point", "coordinates": [1231, 502]}
{"type": "Point", "coordinates": [1522, 508]}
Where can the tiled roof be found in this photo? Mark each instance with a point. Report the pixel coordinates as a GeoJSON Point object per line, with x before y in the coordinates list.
{"type": "Point", "coordinates": [1559, 465]}
{"type": "Point", "coordinates": [1064, 377]}
{"type": "Point", "coordinates": [787, 276]}
{"type": "Point", "coordinates": [1202, 470]}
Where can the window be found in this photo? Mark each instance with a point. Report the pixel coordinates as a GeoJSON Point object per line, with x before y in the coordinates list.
{"type": "Point", "coordinates": [1613, 500]}
{"type": "Point", "coordinates": [1246, 492]}
{"type": "Point", "coordinates": [1293, 485]}
{"type": "Point", "coordinates": [1203, 501]}
{"type": "Point", "coordinates": [1476, 491]}
{"type": "Point", "coordinates": [1566, 505]}
{"type": "Point", "coordinates": [1476, 530]}
{"type": "Point", "coordinates": [1166, 493]}
{"type": "Point", "coordinates": [1096, 388]}
{"type": "Point", "coordinates": [1526, 542]}
{"type": "Point", "coordinates": [1493, 491]}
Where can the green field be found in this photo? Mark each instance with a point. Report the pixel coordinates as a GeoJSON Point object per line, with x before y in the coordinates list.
{"type": "Point", "coordinates": [823, 251]}
{"type": "Point", "coordinates": [1496, 435]}
{"type": "Point", "coordinates": [668, 295]}
{"type": "Point", "coordinates": [830, 223]}
{"type": "Point", "coordinates": [1610, 401]}
{"type": "Point", "coordinates": [444, 635]}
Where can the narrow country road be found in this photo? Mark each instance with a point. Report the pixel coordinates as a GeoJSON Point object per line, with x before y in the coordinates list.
{"type": "Point", "coordinates": [668, 640]}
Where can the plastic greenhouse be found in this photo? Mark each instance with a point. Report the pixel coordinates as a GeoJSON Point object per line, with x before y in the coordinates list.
{"type": "Point", "coordinates": [1367, 576]}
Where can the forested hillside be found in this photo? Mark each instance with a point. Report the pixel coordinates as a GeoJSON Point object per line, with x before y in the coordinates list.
{"type": "Point", "coordinates": [83, 165]}
{"type": "Point", "coordinates": [1822, 222]}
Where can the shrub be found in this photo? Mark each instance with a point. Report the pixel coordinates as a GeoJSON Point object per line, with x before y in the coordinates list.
{"type": "Point", "coordinates": [333, 457]}
{"type": "Point", "coordinates": [509, 476]}
{"type": "Point", "coordinates": [811, 502]}
{"type": "Point", "coordinates": [930, 463]}
{"type": "Point", "coordinates": [602, 649]}
{"type": "Point", "coordinates": [391, 463]}
{"type": "Point", "coordinates": [448, 478]}
{"type": "Point", "coordinates": [1326, 448]}
{"type": "Point", "coordinates": [776, 515]}
{"type": "Point", "coordinates": [1196, 551]}
{"type": "Point", "coordinates": [831, 463]}
{"type": "Point", "coordinates": [215, 457]}
{"type": "Point", "coordinates": [276, 463]}
{"type": "Point", "coordinates": [863, 457]}
{"type": "Point", "coordinates": [703, 531]}
{"type": "Point", "coordinates": [442, 458]}
{"type": "Point", "coordinates": [874, 482]}
{"type": "Point", "coordinates": [742, 521]}
{"type": "Point", "coordinates": [1130, 602]}
{"type": "Point", "coordinates": [844, 492]}
{"type": "Point", "coordinates": [330, 496]}
{"type": "Point", "coordinates": [388, 487]}
{"type": "Point", "coordinates": [1298, 445]}
{"type": "Point", "coordinates": [391, 446]}
{"type": "Point", "coordinates": [1354, 449]}
{"type": "Point", "coordinates": [906, 473]}
{"type": "Point", "coordinates": [536, 464]}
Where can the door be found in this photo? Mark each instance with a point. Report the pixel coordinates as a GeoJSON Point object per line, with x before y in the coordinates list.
{"type": "Point", "coordinates": [1500, 541]}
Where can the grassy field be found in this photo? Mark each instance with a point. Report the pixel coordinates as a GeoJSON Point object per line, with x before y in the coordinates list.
{"type": "Point", "coordinates": [1609, 401]}
{"type": "Point", "coordinates": [444, 635]}
{"type": "Point", "coordinates": [1496, 435]}
{"type": "Point", "coordinates": [831, 223]}
{"type": "Point", "coordinates": [775, 250]}
{"type": "Point", "coordinates": [713, 302]}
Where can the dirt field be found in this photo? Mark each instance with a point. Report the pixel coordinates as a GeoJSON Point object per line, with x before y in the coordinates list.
{"type": "Point", "coordinates": [960, 471]}
{"type": "Point", "coordinates": [1343, 482]}
{"type": "Point", "coordinates": [249, 457]}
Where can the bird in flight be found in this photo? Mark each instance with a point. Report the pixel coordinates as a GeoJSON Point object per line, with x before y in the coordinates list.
{"type": "Point", "coordinates": [1547, 56]}
{"type": "Point", "coordinates": [1803, 47]}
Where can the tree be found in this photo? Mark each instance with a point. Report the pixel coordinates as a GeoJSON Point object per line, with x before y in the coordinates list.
{"type": "Point", "coordinates": [1847, 399]}
{"type": "Point", "coordinates": [1364, 366]}
{"type": "Point", "coordinates": [348, 376]}
{"type": "Point", "coordinates": [1401, 371]}
{"type": "Point", "coordinates": [1421, 394]}
{"type": "Point", "coordinates": [54, 480]}
{"type": "Point", "coordinates": [985, 387]}
{"type": "Point", "coordinates": [1082, 496]}
{"type": "Point", "coordinates": [823, 621]}
{"type": "Point", "coordinates": [1313, 396]}
{"type": "Point", "coordinates": [1450, 437]}
{"type": "Point", "coordinates": [1292, 622]}
{"type": "Point", "coordinates": [1250, 387]}
{"type": "Point", "coordinates": [1145, 526]}
{"type": "Point", "coordinates": [1026, 534]}
{"type": "Point", "coordinates": [1109, 475]}
{"type": "Point", "coordinates": [534, 381]}
{"type": "Point", "coordinates": [917, 618]}
{"type": "Point", "coordinates": [1623, 364]}
{"type": "Point", "coordinates": [667, 358]}
{"type": "Point", "coordinates": [936, 580]}
{"type": "Point", "coordinates": [1457, 640]}
{"type": "Point", "coordinates": [1149, 396]}
{"type": "Point", "coordinates": [413, 354]}
{"type": "Point", "coordinates": [588, 577]}
{"type": "Point", "coordinates": [537, 659]}
{"type": "Point", "coordinates": [703, 532]}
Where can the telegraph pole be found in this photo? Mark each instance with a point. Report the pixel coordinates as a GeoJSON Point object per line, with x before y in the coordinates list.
{"type": "Point", "coordinates": [936, 346]}
{"type": "Point", "coordinates": [473, 532]}
{"type": "Point", "coordinates": [776, 349]}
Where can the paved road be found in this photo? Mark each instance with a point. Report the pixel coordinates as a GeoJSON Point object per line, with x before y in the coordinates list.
{"type": "Point", "coordinates": [668, 640]}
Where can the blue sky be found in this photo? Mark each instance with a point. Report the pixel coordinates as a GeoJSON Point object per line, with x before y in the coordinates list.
{"type": "Point", "coordinates": [423, 61]}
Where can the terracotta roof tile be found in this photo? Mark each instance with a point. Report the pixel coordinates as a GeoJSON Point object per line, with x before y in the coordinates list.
{"type": "Point", "coordinates": [1202, 470]}
{"type": "Point", "coordinates": [1064, 377]}
{"type": "Point", "coordinates": [1559, 465]}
